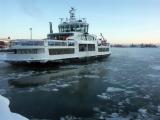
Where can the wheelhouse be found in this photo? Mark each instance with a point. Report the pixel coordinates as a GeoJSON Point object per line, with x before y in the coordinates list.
{"type": "Point", "coordinates": [77, 26]}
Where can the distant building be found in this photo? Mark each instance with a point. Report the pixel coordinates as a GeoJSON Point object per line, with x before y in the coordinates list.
{"type": "Point", "coordinates": [4, 42]}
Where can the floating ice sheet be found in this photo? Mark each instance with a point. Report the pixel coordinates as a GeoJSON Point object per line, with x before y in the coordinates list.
{"type": "Point", "coordinates": [113, 89]}
{"type": "Point", "coordinates": [6, 114]}
{"type": "Point", "coordinates": [155, 67]}
{"type": "Point", "coordinates": [2, 91]}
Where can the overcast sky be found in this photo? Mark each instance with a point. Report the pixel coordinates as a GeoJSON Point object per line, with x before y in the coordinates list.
{"type": "Point", "coordinates": [120, 21]}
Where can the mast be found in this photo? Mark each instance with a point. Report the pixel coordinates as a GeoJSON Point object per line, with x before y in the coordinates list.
{"type": "Point", "coordinates": [72, 14]}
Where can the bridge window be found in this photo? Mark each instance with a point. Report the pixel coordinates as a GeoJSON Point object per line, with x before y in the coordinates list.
{"type": "Point", "coordinates": [76, 27]}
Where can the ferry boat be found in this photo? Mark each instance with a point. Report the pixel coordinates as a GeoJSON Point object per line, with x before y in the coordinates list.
{"type": "Point", "coordinates": [72, 42]}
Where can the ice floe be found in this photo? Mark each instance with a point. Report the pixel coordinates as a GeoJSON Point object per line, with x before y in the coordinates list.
{"type": "Point", "coordinates": [112, 89]}
{"type": "Point", "coordinates": [115, 69]}
{"type": "Point", "coordinates": [2, 57]}
{"type": "Point", "coordinates": [2, 91]}
{"type": "Point", "coordinates": [130, 92]}
{"type": "Point", "coordinates": [69, 117]}
{"type": "Point", "coordinates": [127, 100]}
{"type": "Point", "coordinates": [77, 77]}
{"type": "Point", "coordinates": [118, 118]}
{"type": "Point", "coordinates": [91, 76]}
{"type": "Point", "coordinates": [114, 115]}
{"type": "Point", "coordinates": [142, 112]}
{"type": "Point", "coordinates": [6, 114]}
{"type": "Point", "coordinates": [102, 115]}
{"type": "Point", "coordinates": [158, 108]}
{"type": "Point", "coordinates": [144, 115]}
{"type": "Point", "coordinates": [147, 97]}
{"type": "Point", "coordinates": [157, 67]}
{"type": "Point", "coordinates": [154, 75]}
{"type": "Point", "coordinates": [63, 85]}
{"type": "Point", "coordinates": [103, 96]}
{"type": "Point", "coordinates": [31, 89]}
{"type": "Point", "coordinates": [55, 89]}
{"type": "Point", "coordinates": [120, 103]}
{"type": "Point", "coordinates": [74, 82]}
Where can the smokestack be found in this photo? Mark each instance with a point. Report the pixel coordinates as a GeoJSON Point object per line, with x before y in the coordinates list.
{"type": "Point", "coordinates": [50, 27]}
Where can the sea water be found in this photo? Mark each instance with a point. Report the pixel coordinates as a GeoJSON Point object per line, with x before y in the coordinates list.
{"type": "Point", "coordinates": [124, 86]}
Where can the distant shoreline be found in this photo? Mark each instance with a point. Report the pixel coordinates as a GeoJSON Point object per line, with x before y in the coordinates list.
{"type": "Point", "coordinates": [135, 46]}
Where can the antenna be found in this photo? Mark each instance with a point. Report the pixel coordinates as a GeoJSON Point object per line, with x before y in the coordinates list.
{"type": "Point", "coordinates": [72, 14]}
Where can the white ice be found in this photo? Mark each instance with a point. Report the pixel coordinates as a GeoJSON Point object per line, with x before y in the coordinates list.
{"type": "Point", "coordinates": [118, 118]}
{"type": "Point", "coordinates": [55, 89]}
{"type": "Point", "coordinates": [103, 96]}
{"type": "Point", "coordinates": [112, 89]}
{"type": "Point", "coordinates": [158, 108]}
{"type": "Point", "coordinates": [2, 91]}
{"type": "Point", "coordinates": [154, 75]}
{"type": "Point", "coordinates": [157, 67]}
{"type": "Point", "coordinates": [142, 111]}
{"type": "Point", "coordinates": [91, 76]}
{"type": "Point", "coordinates": [63, 85]}
{"type": "Point", "coordinates": [5, 112]}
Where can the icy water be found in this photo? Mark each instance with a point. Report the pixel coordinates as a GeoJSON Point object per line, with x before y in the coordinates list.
{"type": "Point", "coordinates": [125, 86]}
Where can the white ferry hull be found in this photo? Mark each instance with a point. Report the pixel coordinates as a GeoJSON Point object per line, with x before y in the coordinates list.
{"type": "Point", "coordinates": [55, 61]}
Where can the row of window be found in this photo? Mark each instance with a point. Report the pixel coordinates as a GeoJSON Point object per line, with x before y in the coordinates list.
{"type": "Point", "coordinates": [28, 43]}
{"type": "Point", "coordinates": [86, 47]}
{"type": "Point", "coordinates": [28, 51]}
{"type": "Point", "coordinates": [59, 36]}
{"type": "Point", "coordinates": [61, 51]}
{"type": "Point", "coordinates": [53, 43]}
{"type": "Point", "coordinates": [82, 48]}
{"type": "Point", "coordinates": [103, 49]}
